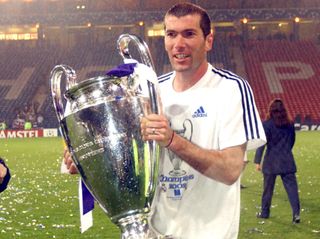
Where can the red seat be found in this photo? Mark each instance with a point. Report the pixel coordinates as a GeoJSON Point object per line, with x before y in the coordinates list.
{"type": "Point", "coordinates": [301, 90]}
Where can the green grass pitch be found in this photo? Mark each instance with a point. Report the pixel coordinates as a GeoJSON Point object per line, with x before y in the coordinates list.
{"type": "Point", "coordinates": [40, 202]}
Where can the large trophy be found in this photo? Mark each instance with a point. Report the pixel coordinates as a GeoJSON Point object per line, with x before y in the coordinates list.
{"type": "Point", "coordinates": [100, 123]}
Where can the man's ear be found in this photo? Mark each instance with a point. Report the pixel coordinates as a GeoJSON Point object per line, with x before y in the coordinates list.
{"type": "Point", "coordinates": [209, 41]}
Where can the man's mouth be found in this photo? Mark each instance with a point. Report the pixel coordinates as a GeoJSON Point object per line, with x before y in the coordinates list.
{"type": "Point", "coordinates": [181, 56]}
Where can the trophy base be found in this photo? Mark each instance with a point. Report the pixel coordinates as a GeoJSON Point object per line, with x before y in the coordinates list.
{"type": "Point", "coordinates": [137, 227]}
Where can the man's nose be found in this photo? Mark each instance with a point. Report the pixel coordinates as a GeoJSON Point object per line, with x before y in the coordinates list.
{"type": "Point", "coordinates": [180, 41]}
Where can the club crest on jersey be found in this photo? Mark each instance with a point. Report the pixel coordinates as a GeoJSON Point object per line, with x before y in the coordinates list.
{"type": "Point", "coordinates": [200, 112]}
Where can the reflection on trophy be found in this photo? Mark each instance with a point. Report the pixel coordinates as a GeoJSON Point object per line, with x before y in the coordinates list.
{"type": "Point", "coordinates": [102, 132]}
{"type": "Point", "coordinates": [185, 132]}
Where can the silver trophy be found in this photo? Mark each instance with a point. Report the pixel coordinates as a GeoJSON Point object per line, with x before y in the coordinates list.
{"type": "Point", "coordinates": [100, 123]}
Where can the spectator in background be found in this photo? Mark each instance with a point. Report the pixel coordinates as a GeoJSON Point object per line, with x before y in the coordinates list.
{"type": "Point", "coordinates": [18, 122]}
{"type": "Point", "coordinates": [27, 125]}
{"type": "Point", "coordinates": [25, 111]}
{"type": "Point", "coordinates": [39, 121]}
{"type": "Point", "coordinates": [278, 159]}
{"type": "Point", "coordinates": [3, 124]}
{"type": "Point", "coordinates": [25, 117]}
{"type": "Point", "coordinates": [29, 114]}
{"type": "Point", "coordinates": [4, 175]}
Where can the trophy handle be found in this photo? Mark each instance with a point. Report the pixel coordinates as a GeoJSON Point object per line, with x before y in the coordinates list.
{"type": "Point", "coordinates": [55, 82]}
{"type": "Point", "coordinates": [123, 47]}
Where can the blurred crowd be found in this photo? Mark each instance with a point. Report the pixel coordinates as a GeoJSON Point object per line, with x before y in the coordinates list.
{"type": "Point", "coordinates": [26, 117]}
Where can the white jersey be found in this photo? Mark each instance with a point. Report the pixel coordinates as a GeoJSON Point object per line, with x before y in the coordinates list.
{"type": "Point", "coordinates": [216, 113]}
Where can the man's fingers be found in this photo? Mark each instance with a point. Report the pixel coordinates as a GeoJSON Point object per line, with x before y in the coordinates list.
{"type": "Point", "coordinates": [73, 169]}
{"type": "Point", "coordinates": [68, 162]}
{"type": "Point", "coordinates": [3, 171]}
{"type": "Point", "coordinates": [66, 155]}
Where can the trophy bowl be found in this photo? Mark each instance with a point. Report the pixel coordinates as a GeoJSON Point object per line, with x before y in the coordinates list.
{"type": "Point", "coordinates": [101, 127]}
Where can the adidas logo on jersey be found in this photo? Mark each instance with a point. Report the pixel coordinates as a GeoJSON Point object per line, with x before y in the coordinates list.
{"type": "Point", "coordinates": [199, 113]}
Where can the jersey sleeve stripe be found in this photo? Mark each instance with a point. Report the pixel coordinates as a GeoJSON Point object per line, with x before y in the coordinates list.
{"type": "Point", "coordinates": [164, 77]}
{"type": "Point", "coordinates": [249, 110]}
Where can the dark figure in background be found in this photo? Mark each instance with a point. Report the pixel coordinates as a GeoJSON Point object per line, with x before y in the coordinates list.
{"type": "Point", "coordinates": [4, 175]}
{"type": "Point", "coordinates": [278, 159]}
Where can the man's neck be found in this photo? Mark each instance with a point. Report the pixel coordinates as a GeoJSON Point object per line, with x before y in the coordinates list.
{"type": "Point", "coordinates": [186, 79]}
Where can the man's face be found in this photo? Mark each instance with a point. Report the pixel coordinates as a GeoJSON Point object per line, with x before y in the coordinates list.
{"type": "Point", "coordinates": [185, 43]}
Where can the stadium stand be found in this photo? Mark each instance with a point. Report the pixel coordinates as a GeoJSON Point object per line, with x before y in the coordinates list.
{"type": "Point", "coordinates": [220, 55]}
{"type": "Point", "coordinates": [285, 69]}
{"type": "Point", "coordinates": [275, 68]}
{"type": "Point", "coordinates": [32, 68]}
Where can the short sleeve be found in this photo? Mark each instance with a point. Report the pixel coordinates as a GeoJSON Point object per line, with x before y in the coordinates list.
{"type": "Point", "coordinates": [240, 120]}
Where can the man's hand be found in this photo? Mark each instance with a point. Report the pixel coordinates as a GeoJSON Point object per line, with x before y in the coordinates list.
{"type": "Point", "coordinates": [157, 127]}
{"type": "Point", "coordinates": [69, 162]}
{"type": "Point", "coordinates": [3, 172]}
{"type": "Point", "coordinates": [258, 167]}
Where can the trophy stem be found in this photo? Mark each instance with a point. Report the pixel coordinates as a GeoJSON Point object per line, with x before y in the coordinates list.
{"type": "Point", "coordinates": [136, 227]}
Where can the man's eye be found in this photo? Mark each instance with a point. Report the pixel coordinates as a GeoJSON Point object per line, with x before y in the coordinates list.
{"type": "Point", "coordinates": [189, 34]}
{"type": "Point", "coordinates": [170, 34]}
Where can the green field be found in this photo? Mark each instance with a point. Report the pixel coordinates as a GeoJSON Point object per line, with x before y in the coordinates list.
{"type": "Point", "coordinates": [42, 203]}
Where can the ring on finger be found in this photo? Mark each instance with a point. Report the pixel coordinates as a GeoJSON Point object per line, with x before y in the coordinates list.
{"type": "Point", "coordinates": [153, 130]}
